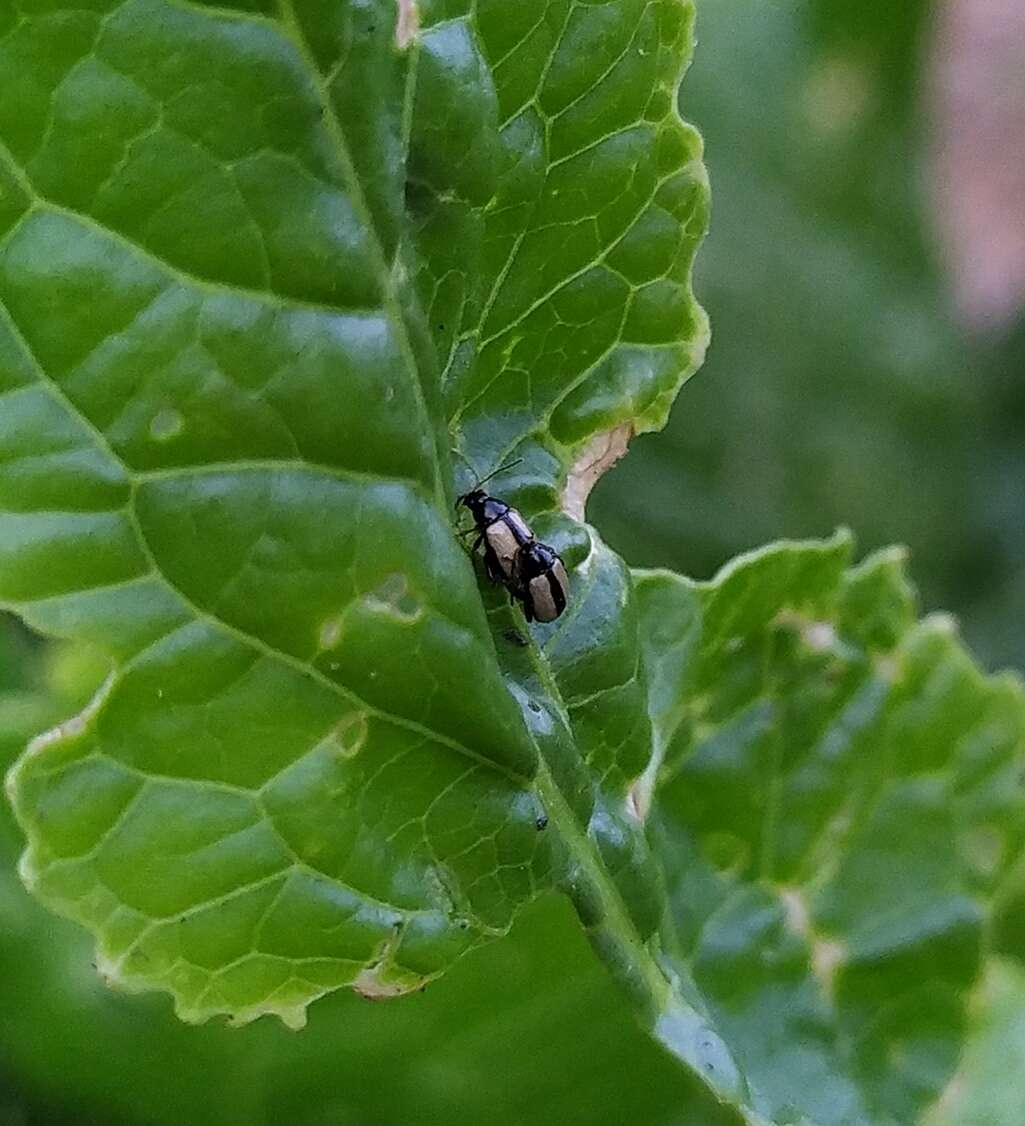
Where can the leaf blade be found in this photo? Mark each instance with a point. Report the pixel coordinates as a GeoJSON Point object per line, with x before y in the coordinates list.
{"type": "Point", "coordinates": [151, 817]}
{"type": "Point", "coordinates": [829, 772]}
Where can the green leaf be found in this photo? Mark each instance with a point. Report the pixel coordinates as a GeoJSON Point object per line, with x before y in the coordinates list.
{"type": "Point", "coordinates": [557, 212]}
{"type": "Point", "coordinates": [244, 321]}
{"type": "Point", "coordinates": [225, 463]}
{"type": "Point", "coordinates": [535, 1012]}
{"type": "Point", "coordinates": [837, 805]}
{"type": "Point", "coordinates": [988, 1085]}
{"type": "Point", "coordinates": [556, 216]}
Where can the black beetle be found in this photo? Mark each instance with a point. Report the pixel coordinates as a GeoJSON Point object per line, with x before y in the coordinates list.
{"type": "Point", "coordinates": [531, 571]}
{"type": "Point", "coordinates": [540, 582]}
{"type": "Point", "coordinates": [501, 531]}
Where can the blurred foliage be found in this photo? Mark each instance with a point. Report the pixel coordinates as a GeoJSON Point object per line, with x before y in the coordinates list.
{"type": "Point", "coordinates": [839, 815]}
{"type": "Point", "coordinates": [990, 1079]}
{"type": "Point", "coordinates": [995, 618]}
{"type": "Point", "coordinates": [837, 391]}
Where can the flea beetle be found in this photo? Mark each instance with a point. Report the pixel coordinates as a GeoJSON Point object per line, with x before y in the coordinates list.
{"type": "Point", "coordinates": [540, 582]}
{"type": "Point", "coordinates": [531, 571]}
{"type": "Point", "coordinates": [501, 530]}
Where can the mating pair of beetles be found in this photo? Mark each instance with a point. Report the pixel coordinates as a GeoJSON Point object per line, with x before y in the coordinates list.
{"type": "Point", "coordinates": [530, 570]}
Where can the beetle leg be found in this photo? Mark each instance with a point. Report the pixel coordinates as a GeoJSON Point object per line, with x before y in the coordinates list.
{"type": "Point", "coordinates": [494, 571]}
{"type": "Point", "coordinates": [524, 601]}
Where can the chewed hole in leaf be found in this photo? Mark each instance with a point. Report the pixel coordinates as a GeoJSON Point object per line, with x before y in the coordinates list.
{"type": "Point", "coordinates": [166, 425]}
{"type": "Point", "coordinates": [375, 986]}
{"type": "Point", "coordinates": [597, 457]}
{"type": "Point", "coordinates": [819, 637]}
{"type": "Point", "coordinates": [383, 979]}
{"type": "Point", "coordinates": [638, 798]}
{"type": "Point", "coordinates": [408, 23]}
{"type": "Point", "coordinates": [331, 633]}
{"type": "Point", "coordinates": [985, 849]}
{"type": "Point", "coordinates": [394, 598]}
{"type": "Point", "coordinates": [350, 735]}
{"type": "Point", "coordinates": [826, 954]}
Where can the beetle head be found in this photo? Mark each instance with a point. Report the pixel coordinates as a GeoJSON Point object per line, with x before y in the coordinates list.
{"type": "Point", "coordinates": [474, 500]}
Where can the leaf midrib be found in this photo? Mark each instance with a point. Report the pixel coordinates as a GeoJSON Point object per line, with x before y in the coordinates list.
{"type": "Point", "coordinates": [199, 613]}
{"type": "Point", "coordinates": [293, 28]}
{"type": "Point", "coordinates": [616, 921]}
{"type": "Point", "coordinates": [644, 970]}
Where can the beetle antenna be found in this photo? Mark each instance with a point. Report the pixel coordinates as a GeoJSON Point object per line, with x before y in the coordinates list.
{"type": "Point", "coordinates": [495, 472]}
{"type": "Point", "coordinates": [484, 480]}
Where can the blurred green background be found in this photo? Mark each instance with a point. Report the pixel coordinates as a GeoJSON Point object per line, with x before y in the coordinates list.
{"type": "Point", "coordinates": [841, 388]}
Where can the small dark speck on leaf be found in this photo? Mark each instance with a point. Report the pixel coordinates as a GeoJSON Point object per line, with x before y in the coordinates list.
{"type": "Point", "coordinates": [463, 925]}
{"type": "Point", "coordinates": [534, 707]}
{"type": "Point", "coordinates": [541, 823]}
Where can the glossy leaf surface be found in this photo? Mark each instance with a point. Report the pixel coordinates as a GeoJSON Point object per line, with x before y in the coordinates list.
{"type": "Point", "coordinates": [261, 266]}
{"type": "Point", "coordinates": [226, 464]}
{"type": "Point", "coordinates": [534, 1012]}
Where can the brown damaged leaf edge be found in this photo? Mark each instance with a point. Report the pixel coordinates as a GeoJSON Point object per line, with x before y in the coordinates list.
{"type": "Point", "coordinates": [408, 25]}
{"type": "Point", "coordinates": [599, 455]}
